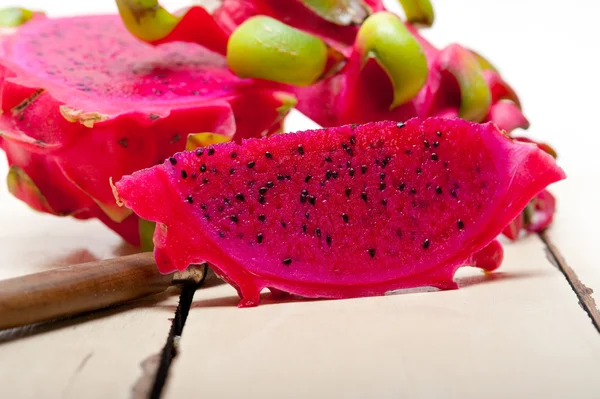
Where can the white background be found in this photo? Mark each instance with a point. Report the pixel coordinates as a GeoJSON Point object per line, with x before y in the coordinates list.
{"type": "Point", "coordinates": [547, 50]}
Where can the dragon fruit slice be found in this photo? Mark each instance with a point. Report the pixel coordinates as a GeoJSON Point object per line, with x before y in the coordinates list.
{"type": "Point", "coordinates": [74, 114]}
{"type": "Point", "coordinates": [341, 212]}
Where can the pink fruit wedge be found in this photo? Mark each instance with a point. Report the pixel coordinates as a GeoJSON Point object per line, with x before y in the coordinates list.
{"type": "Point", "coordinates": [341, 212]}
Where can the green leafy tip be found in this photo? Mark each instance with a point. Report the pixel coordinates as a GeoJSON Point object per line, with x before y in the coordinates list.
{"type": "Point", "coordinates": [384, 37]}
{"type": "Point", "coordinates": [476, 96]}
{"type": "Point", "coordinates": [146, 19]}
{"type": "Point", "coordinates": [14, 16]}
{"type": "Point", "coordinates": [418, 12]}
{"type": "Point", "coordinates": [340, 12]}
{"type": "Point", "coordinates": [265, 48]}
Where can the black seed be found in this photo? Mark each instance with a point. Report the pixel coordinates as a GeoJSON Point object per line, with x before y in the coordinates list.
{"type": "Point", "coordinates": [436, 144]}
{"type": "Point", "coordinates": [261, 217]}
{"type": "Point", "coordinates": [207, 216]}
{"type": "Point", "coordinates": [371, 252]}
{"type": "Point", "coordinates": [190, 199]}
{"type": "Point", "coordinates": [287, 261]}
{"type": "Point", "coordinates": [211, 151]}
{"type": "Point", "coordinates": [203, 206]}
{"type": "Point", "coordinates": [304, 192]}
{"type": "Point", "coordinates": [419, 171]}
{"type": "Point", "coordinates": [199, 152]}
{"type": "Point", "coordinates": [270, 184]}
{"type": "Point", "coordinates": [318, 232]}
{"type": "Point", "coordinates": [184, 174]}
{"type": "Point", "coordinates": [288, 177]}
{"type": "Point", "coordinates": [328, 175]}
{"type": "Point", "coordinates": [344, 146]}
{"type": "Point", "coordinates": [352, 140]}
{"type": "Point", "coordinates": [307, 179]}
{"type": "Point", "coordinates": [261, 199]}
{"type": "Point", "coordinates": [251, 164]}
{"type": "Point", "coordinates": [173, 161]}
{"type": "Point", "coordinates": [231, 171]}
{"type": "Point", "coordinates": [348, 191]}
{"type": "Point", "coordinates": [234, 155]}
{"type": "Point", "coordinates": [268, 155]}
{"type": "Point", "coordinates": [328, 159]}
{"type": "Point", "coordinates": [363, 195]}
{"type": "Point", "coordinates": [382, 186]}
{"type": "Point", "coordinates": [262, 190]}
{"type": "Point", "coordinates": [401, 186]}
{"type": "Point", "coordinates": [226, 201]}
{"type": "Point", "coordinates": [413, 191]}
{"type": "Point", "coordinates": [461, 224]}
{"type": "Point", "coordinates": [233, 218]}
{"type": "Point", "coordinates": [439, 134]}
{"type": "Point", "coordinates": [426, 143]}
{"type": "Point", "coordinates": [205, 181]}
{"type": "Point", "coordinates": [280, 177]}
{"type": "Point", "coordinates": [351, 172]}
{"type": "Point", "coordinates": [328, 239]}
{"type": "Point", "coordinates": [400, 125]}
{"type": "Point", "coordinates": [363, 169]}
{"type": "Point", "coordinates": [221, 234]}
{"type": "Point", "coordinates": [239, 196]}
{"type": "Point", "coordinates": [303, 198]}
{"type": "Point", "coordinates": [283, 224]}
{"type": "Point", "coordinates": [385, 161]}
{"type": "Point", "coordinates": [382, 176]}
{"type": "Point", "coordinates": [434, 157]}
{"type": "Point", "coordinates": [304, 228]}
{"type": "Point", "coordinates": [438, 190]}
{"type": "Point", "coordinates": [426, 243]}
{"type": "Point", "coordinates": [345, 217]}
{"type": "Point", "coordinates": [453, 193]}
{"type": "Point", "coordinates": [203, 168]}
{"type": "Point", "coordinates": [349, 151]}
{"type": "Point", "coordinates": [312, 199]}
{"type": "Point", "coordinates": [384, 202]}
{"type": "Point", "coordinates": [348, 164]}
{"type": "Point", "coordinates": [259, 238]}
{"type": "Point", "coordinates": [153, 117]}
{"type": "Point", "coordinates": [334, 174]}
{"type": "Point", "coordinates": [300, 149]}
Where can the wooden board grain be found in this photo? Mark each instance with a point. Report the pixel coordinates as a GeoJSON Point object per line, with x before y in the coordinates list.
{"type": "Point", "coordinates": [515, 333]}
{"type": "Point", "coordinates": [574, 237]}
{"type": "Point", "coordinates": [96, 356]}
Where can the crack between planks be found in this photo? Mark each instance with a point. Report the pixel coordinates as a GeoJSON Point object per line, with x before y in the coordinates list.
{"type": "Point", "coordinates": [584, 293]}
{"type": "Point", "coordinates": [169, 351]}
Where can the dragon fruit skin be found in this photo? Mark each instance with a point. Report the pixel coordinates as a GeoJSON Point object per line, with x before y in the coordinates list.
{"type": "Point", "coordinates": [342, 212]}
{"type": "Point", "coordinates": [72, 117]}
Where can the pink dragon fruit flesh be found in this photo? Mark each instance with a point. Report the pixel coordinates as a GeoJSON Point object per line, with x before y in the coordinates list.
{"type": "Point", "coordinates": [82, 101]}
{"type": "Point", "coordinates": [342, 212]}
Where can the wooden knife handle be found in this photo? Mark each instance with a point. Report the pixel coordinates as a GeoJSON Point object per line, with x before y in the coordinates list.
{"type": "Point", "coordinates": [79, 288]}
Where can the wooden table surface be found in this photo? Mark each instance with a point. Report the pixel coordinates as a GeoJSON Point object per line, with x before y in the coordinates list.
{"type": "Point", "coordinates": [529, 330]}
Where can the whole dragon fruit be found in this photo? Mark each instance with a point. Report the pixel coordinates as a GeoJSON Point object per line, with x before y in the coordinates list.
{"type": "Point", "coordinates": [82, 101]}
{"type": "Point", "coordinates": [350, 61]}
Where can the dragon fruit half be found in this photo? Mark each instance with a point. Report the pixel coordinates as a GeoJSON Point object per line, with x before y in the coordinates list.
{"type": "Point", "coordinates": [350, 61]}
{"type": "Point", "coordinates": [83, 101]}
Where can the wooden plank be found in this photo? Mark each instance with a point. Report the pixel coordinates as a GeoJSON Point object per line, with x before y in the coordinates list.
{"type": "Point", "coordinates": [515, 333]}
{"type": "Point", "coordinates": [574, 235]}
{"type": "Point", "coordinates": [97, 356]}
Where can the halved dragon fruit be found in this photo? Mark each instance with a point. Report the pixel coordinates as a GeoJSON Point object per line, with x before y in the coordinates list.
{"type": "Point", "coordinates": [82, 101]}
{"type": "Point", "coordinates": [341, 212]}
{"type": "Point", "coordinates": [352, 62]}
